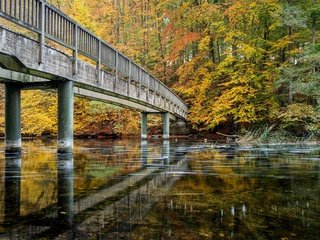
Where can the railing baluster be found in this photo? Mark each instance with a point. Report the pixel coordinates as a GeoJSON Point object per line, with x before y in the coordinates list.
{"type": "Point", "coordinates": [42, 32]}
{"type": "Point", "coordinates": [99, 61]}
{"type": "Point", "coordinates": [75, 51]}
{"type": "Point", "coordinates": [20, 9]}
{"type": "Point", "coordinates": [148, 88]}
{"type": "Point", "coordinates": [52, 23]}
{"type": "Point", "coordinates": [32, 12]}
{"type": "Point", "coordinates": [129, 79]}
{"type": "Point", "coordinates": [65, 31]}
{"type": "Point", "coordinates": [154, 91]}
{"type": "Point", "coordinates": [86, 41]}
{"type": "Point", "coordinates": [140, 79]}
{"type": "Point", "coordinates": [36, 22]}
{"type": "Point", "coordinates": [28, 11]}
{"type": "Point", "coordinates": [10, 7]}
{"type": "Point", "coordinates": [14, 8]}
{"type": "Point", "coordinates": [68, 33]}
{"type": "Point", "coordinates": [48, 21]}
{"type": "Point", "coordinates": [116, 75]}
{"type": "Point", "coordinates": [83, 41]}
{"type": "Point", "coordinates": [55, 24]}
{"type": "Point", "coordinates": [62, 28]}
{"type": "Point", "coordinates": [59, 26]}
{"type": "Point", "coordinates": [91, 45]}
{"type": "Point", "coordinates": [88, 44]}
{"type": "Point", "coordinates": [24, 11]}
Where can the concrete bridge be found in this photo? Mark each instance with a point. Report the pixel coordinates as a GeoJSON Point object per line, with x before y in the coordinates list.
{"type": "Point", "coordinates": [55, 52]}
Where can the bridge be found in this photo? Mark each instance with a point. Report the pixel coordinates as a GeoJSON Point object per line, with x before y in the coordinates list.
{"type": "Point", "coordinates": [55, 52]}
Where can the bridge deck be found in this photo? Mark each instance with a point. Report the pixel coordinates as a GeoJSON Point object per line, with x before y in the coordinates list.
{"type": "Point", "coordinates": [110, 76]}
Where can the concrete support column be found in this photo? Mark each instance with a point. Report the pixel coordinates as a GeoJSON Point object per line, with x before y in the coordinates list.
{"type": "Point", "coordinates": [12, 118]}
{"type": "Point", "coordinates": [65, 117]}
{"type": "Point", "coordinates": [166, 125]}
{"type": "Point", "coordinates": [144, 128]}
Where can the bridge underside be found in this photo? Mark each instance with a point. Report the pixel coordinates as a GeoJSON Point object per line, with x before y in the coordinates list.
{"type": "Point", "coordinates": [30, 82]}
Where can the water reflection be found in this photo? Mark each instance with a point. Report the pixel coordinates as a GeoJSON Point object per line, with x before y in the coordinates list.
{"type": "Point", "coordinates": [166, 152]}
{"type": "Point", "coordinates": [161, 190]}
{"type": "Point", "coordinates": [12, 185]}
{"type": "Point", "coordinates": [65, 190]}
{"type": "Point", "coordinates": [144, 152]}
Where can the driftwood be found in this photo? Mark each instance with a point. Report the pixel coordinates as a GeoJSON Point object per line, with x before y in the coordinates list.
{"type": "Point", "coordinates": [227, 135]}
{"type": "Point", "coordinates": [230, 138]}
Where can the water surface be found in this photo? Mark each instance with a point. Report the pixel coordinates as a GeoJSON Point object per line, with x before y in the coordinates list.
{"type": "Point", "coordinates": [129, 189]}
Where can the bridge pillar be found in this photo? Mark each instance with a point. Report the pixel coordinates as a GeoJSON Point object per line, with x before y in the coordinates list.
{"type": "Point", "coordinates": [166, 125]}
{"type": "Point", "coordinates": [65, 116]}
{"type": "Point", "coordinates": [144, 128]}
{"type": "Point", "coordinates": [12, 118]}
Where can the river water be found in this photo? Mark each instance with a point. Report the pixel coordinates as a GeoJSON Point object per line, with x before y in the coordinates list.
{"type": "Point", "coordinates": [128, 189]}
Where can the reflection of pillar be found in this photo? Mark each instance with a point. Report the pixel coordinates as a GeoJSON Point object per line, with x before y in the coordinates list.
{"type": "Point", "coordinates": [12, 118]}
{"type": "Point", "coordinates": [65, 189]}
{"type": "Point", "coordinates": [65, 117]}
{"type": "Point", "coordinates": [12, 187]}
{"type": "Point", "coordinates": [144, 152]}
{"type": "Point", "coordinates": [166, 152]}
{"type": "Point", "coordinates": [166, 125]}
{"type": "Point", "coordinates": [144, 128]}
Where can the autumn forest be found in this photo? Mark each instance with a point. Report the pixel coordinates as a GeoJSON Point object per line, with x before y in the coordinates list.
{"type": "Point", "coordinates": [241, 65]}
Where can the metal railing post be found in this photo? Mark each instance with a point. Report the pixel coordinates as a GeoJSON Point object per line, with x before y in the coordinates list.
{"type": "Point", "coordinates": [129, 79]}
{"type": "Point", "coordinates": [139, 90]}
{"type": "Point", "coordinates": [99, 61]}
{"type": "Point", "coordinates": [116, 75]}
{"type": "Point", "coordinates": [75, 51]}
{"type": "Point", "coordinates": [42, 33]}
{"type": "Point", "coordinates": [148, 89]}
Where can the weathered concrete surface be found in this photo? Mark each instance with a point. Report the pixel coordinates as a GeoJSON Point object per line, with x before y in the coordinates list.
{"type": "Point", "coordinates": [65, 116]}
{"type": "Point", "coordinates": [12, 118]}
{"type": "Point", "coordinates": [58, 66]}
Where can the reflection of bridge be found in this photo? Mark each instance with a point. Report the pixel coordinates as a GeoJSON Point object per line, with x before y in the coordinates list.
{"type": "Point", "coordinates": [34, 64]}
{"type": "Point", "coordinates": [127, 201]}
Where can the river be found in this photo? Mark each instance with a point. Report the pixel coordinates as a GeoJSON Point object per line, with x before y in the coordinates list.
{"type": "Point", "coordinates": [127, 189]}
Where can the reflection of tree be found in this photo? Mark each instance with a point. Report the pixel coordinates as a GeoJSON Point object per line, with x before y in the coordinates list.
{"type": "Point", "coordinates": [97, 164]}
{"type": "Point", "coordinates": [38, 188]}
{"type": "Point", "coordinates": [246, 198]}
{"type": "Point", "coordinates": [105, 163]}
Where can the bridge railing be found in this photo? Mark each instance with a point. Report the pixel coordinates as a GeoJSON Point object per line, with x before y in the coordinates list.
{"type": "Point", "coordinates": [51, 23]}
